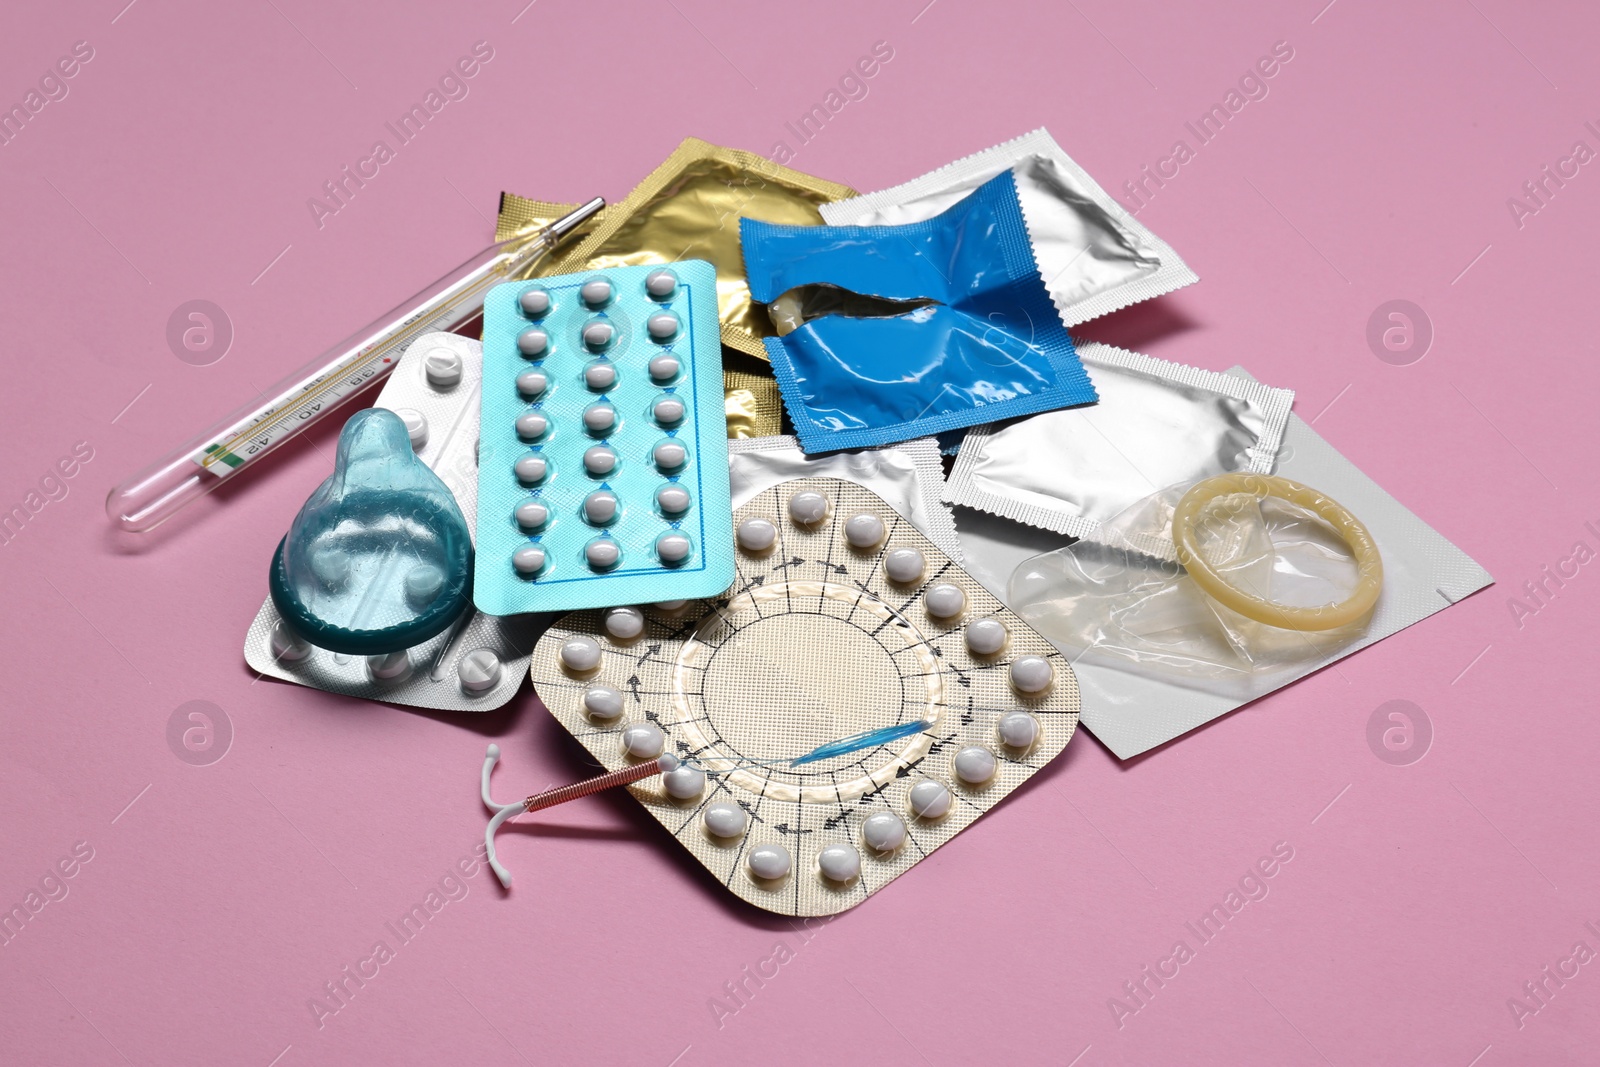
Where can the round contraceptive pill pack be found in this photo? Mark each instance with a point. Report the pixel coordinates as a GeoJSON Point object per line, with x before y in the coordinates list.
{"type": "Point", "coordinates": [479, 662]}
{"type": "Point", "coordinates": [843, 618]}
{"type": "Point", "coordinates": [603, 455]}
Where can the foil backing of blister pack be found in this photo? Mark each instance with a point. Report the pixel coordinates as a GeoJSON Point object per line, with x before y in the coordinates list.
{"type": "Point", "coordinates": [1094, 257]}
{"type": "Point", "coordinates": [1156, 424]}
{"type": "Point", "coordinates": [909, 476]}
{"type": "Point", "coordinates": [432, 676]}
{"type": "Point", "coordinates": [812, 644]}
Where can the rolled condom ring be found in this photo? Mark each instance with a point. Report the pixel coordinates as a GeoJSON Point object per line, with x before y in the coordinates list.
{"type": "Point", "coordinates": [1369, 564]}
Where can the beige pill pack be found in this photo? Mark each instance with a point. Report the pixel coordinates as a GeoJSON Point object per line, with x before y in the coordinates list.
{"type": "Point", "coordinates": [477, 664]}
{"type": "Point", "coordinates": [844, 619]}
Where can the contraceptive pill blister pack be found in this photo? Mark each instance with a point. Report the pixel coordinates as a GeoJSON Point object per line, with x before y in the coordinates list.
{"type": "Point", "coordinates": [603, 473]}
{"type": "Point", "coordinates": [479, 662]}
{"type": "Point", "coordinates": [843, 618]}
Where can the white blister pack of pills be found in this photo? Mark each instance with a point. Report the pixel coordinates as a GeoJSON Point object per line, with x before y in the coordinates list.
{"type": "Point", "coordinates": [844, 619]}
{"type": "Point", "coordinates": [478, 663]}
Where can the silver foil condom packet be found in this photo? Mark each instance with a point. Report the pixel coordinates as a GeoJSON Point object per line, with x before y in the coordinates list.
{"type": "Point", "coordinates": [1157, 424]}
{"type": "Point", "coordinates": [1094, 257]}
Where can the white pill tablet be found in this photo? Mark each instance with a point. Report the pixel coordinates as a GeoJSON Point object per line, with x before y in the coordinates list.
{"type": "Point", "coordinates": [580, 653]}
{"type": "Point", "coordinates": [1032, 674]}
{"type": "Point", "coordinates": [839, 863]}
{"type": "Point", "coordinates": [864, 530]}
{"type": "Point", "coordinates": [807, 508]}
{"type": "Point", "coordinates": [528, 560]}
{"type": "Point", "coordinates": [390, 667]}
{"type": "Point", "coordinates": [668, 411]}
{"type": "Point", "coordinates": [288, 646]}
{"type": "Point", "coordinates": [602, 553]}
{"type": "Point", "coordinates": [975, 765]}
{"type": "Point", "coordinates": [599, 418]}
{"type": "Point", "coordinates": [600, 507]}
{"type": "Point", "coordinates": [531, 384]}
{"type": "Point", "coordinates": [532, 515]}
{"type": "Point", "coordinates": [884, 831]}
{"type": "Point", "coordinates": [643, 740]}
{"type": "Point", "coordinates": [661, 284]}
{"type": "Point", "coordinates": [423, 584]}
{"type": "Point", "coordinates": [602, 702]}
{"type": "Point", "coordinates": [535, 303]}
{"type": "Point", "coordinates": [904, 564]}
{"type": "Point", "coordinates": [599, 459]}
{"type": "Point", "coordinates": [662, 326]}
{"type": "Point", "coordinates": [684, 782]}
{"type": "Point", "coordinates": [664, 367]}
{"type": "Point", "coordinates": [600, 376]}
{"type": "Point", "coordinates": [669, 455]}
{"type": "Point", "coordinates": [945, 601]}
{"type": "Point", "coordinates": [479, 671]}
{"type": "Point", "coordinates": [671, 607]}
{"type": "Point", "coordinates": [931, 799]}
{"type": "Point", "coordinates": [755, 535]}
{"type": "Point", "coordinates": [331, 566]}
{"type": "Point", "coordinates": [624, 623]}
{"type": "Point", "coordinates": [986, 636]}
{"type": "Point", "coordinates": [725, 820]}
{"type": "Point", "coordinates": [672, 499]}
{"type": "Point", "coordinates": [442, 366]}
{"type": "Point", "coordinates": [674, 547]}
{"type": "Point", "coordinates": [532, 425]}
{"type": "Point", "coordinates": [533, 342]}
{"type": "Point", "coordinates": [416, 426]}
{"type": "Point", "coordinates": [597, 336]}
{"type": "Point", "coordinates": [596, 293]}
{"type": "Point", "coordinates": [1017, 729]}
{"type": "Point", "coordinates": [531, 469]}
{"type": "Point", "coordinates": [769, 861]}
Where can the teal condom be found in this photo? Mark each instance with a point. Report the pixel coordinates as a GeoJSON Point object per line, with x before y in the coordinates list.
{"type": "Point", "coordinates": [380, 557]}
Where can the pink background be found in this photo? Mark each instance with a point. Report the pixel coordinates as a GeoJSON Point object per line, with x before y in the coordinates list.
{"type": "Point", "coordinates": [220, 901]}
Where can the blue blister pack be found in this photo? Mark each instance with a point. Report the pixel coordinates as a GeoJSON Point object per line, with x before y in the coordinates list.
{"type": "Point", "coordinates": [603, 451]}
{"type": "Point", "coordinates": [987, 345]}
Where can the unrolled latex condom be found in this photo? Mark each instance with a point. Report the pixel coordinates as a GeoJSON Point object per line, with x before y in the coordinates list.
{"type": "Point", "coordinates": [379, 557]}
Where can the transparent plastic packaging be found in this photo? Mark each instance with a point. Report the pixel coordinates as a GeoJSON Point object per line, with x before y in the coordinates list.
{"type": "Point", "coordinates": [1135, 598]}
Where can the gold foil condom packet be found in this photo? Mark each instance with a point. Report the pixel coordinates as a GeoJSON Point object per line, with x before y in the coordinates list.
{"type": "Point", "coordinates": [689, 207]}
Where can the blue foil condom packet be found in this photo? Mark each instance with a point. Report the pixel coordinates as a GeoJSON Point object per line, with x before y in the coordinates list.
{"type": "Point", "coordinates": [984, 343]}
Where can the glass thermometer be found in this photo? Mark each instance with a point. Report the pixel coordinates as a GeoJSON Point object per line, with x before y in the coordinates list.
{"type": "Point", "coordinates": [201, 464]}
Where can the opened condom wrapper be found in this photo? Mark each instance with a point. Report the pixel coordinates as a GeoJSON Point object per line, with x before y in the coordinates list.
{"type": "Point", "coordinates": [981, 342]}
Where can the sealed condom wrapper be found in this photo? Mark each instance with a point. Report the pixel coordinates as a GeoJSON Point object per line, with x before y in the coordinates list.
{"type": "Point", "coordinates": [689, 207]}
{"type": "Point", "coordinates": [844, 620]}
{"type": "Point", "coordinates": [1094, 257]}
{"type": "Point", "coordinates": [478, 663]}
{"type": "Point", "coordinates": [982, 341]}
{"type": "Point", "coordinates": [1157, 424]}
{"type": "Point", "coordinates": [908, 476]}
